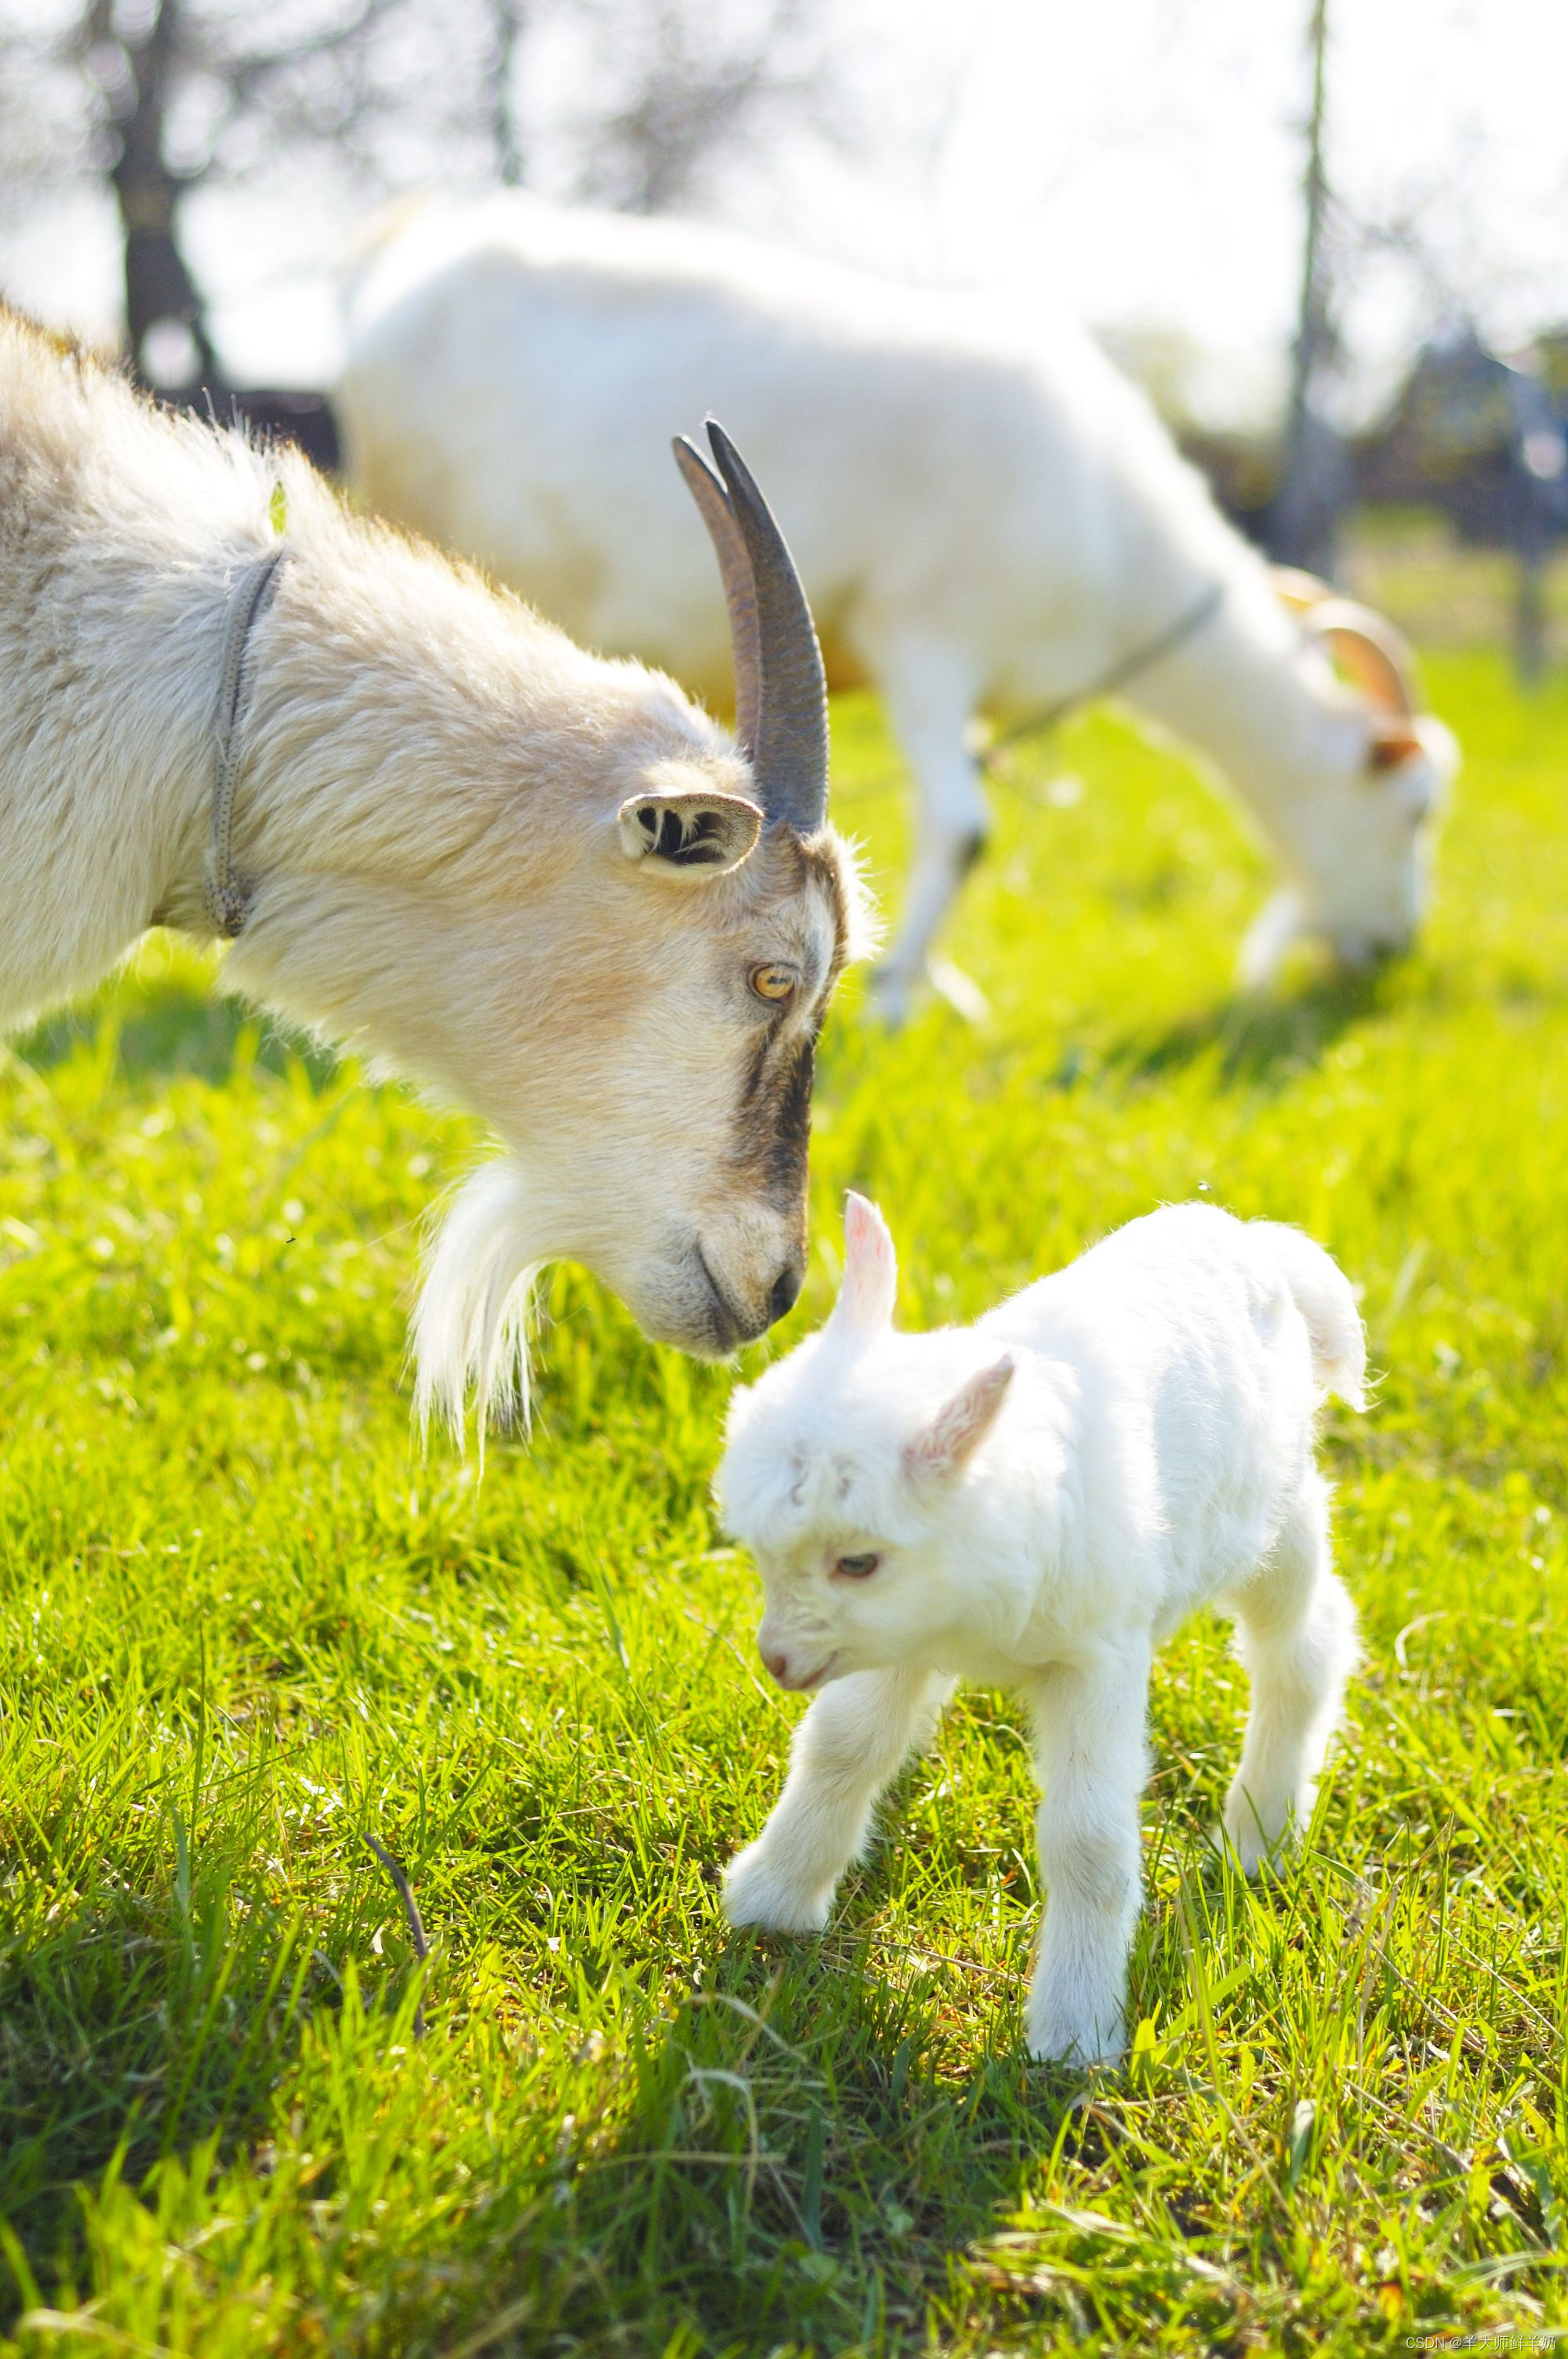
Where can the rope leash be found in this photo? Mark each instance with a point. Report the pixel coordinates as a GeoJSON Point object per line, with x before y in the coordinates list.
{"type": "Point", "coordinates": [228, 903]}
{"type": "Point", "coordinates": [1044, 717]}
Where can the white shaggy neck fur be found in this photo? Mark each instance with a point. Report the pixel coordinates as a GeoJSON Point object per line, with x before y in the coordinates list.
{"type": "Point", "coordinates": [1038, 1502]}
{"type": "Point", "coordinates": [430, 818]}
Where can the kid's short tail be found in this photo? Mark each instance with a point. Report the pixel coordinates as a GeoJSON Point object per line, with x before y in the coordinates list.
{"type": "Point", "coordinates": [1320, 1292]}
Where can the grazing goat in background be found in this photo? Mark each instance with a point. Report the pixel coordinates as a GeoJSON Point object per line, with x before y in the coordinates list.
{"type": "Point", "coordinates": [539, 883]}
{"type": "Point", "coordinates": [1037, 1502]}
{"type": "Point", "coordinates": [987, 520]}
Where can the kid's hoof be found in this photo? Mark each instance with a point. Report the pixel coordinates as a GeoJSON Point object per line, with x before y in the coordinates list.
{"type": "Point", "coordinates": [755, 1894]}
{"type": "Point", "coordinates": [1075, 2024]}
{"type": "Point", "coordinates": [1242, 1838]}
{"type": "Point", "coordinates": [1079, 2045]}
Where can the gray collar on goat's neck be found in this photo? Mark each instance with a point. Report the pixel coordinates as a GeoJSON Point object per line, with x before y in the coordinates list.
{"type": "Point", "coordinates": [1141, 658]}
{"type": "Point", "coordinates": [228, 902]}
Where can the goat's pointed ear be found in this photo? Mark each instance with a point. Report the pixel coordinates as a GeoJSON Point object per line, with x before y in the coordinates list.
{"type": "Point", "coordinates": [956, 1430]}
{"type": "Point", "coordinates": [696, 832]}
{"type": "Point", "coordinates": [1393, 741]}
{"type": "Point", "coordinates": [866, 1298]}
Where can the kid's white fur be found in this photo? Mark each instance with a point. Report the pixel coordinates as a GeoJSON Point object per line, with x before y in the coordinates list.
{"type": "Point", "coordinates": [1049, 1494]}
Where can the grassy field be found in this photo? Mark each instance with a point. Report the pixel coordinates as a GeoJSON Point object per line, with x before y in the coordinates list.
{"type": "Point", "coordinates": [243, 1624]}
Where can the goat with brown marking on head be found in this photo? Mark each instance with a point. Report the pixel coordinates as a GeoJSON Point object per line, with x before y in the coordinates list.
{"type": "Point", "coordinates": [538, 883]}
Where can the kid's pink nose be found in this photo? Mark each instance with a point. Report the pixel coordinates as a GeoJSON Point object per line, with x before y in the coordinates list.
{"type": "Point", "coordinates": [777, 1662]}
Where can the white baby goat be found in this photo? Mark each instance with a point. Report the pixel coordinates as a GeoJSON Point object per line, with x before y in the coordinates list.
{"type": "Point", "coordinates": [1037, 1502]}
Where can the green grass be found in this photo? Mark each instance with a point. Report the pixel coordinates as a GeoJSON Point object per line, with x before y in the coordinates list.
{"type": "Point", "coordinates": [241, 1622]}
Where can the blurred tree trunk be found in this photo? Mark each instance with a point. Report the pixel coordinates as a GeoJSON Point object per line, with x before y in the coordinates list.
{"type": "Point", "coordinates": [159, 286]}
{"type": "Point", "coordinates": [511, 29]}
{"type": "Point", "coordinates": [1315, 479]}
{"type": "Point", "coordinates": [160, 98]}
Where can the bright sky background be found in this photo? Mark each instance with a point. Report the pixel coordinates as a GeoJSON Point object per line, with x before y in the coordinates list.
{"type": "Point", "coordinates": [1138, 159]}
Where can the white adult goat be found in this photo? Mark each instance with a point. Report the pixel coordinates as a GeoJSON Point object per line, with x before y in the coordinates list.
{"type": "Point", "coordinates": [1037, 1502]}
{"type": "Point", "coordinates": [538, 882]}
{"type": "Point", "coordinates": [985, 520]}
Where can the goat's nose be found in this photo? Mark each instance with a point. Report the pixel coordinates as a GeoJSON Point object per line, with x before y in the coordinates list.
{"type": "Point", "coordinates": [777, 1662]}
{"type": "Point", "coordinates": [786, 1287]}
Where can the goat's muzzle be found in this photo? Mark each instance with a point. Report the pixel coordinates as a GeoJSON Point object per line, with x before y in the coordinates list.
{"type": "Point", "coordinates": [730, 1323]}
{"type": "Point", "coordinates": [785, 1293]}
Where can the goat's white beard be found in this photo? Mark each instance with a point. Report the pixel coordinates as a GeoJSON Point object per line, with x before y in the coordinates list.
{"type": "Point", "coordinates": [471, 1327]}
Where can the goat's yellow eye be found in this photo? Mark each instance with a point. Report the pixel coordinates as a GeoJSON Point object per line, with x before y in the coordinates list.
{"type": "Point", "coordinates": [773, 983]}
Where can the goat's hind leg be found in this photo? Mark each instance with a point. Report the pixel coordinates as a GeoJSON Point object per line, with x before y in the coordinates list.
{"type": "Point", "coordinates": [930, 696]}
{"type": "Point", "coordinates": [1296, 1636]}
{"type": "Point", "coordinates": [847, 1750]}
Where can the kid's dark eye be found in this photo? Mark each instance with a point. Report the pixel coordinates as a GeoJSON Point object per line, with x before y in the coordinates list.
{"type": "Point", "coordinates": [857, 1568]}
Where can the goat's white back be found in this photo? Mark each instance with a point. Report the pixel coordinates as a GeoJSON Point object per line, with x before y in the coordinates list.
{"type": "Point", "coordinates": [986, 515]}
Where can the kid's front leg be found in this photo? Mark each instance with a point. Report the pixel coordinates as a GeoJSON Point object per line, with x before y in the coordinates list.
{"type": "Point", "coordinates": [849, 1746]}
{"type": "Point", "coordinates": [1090, 1718]}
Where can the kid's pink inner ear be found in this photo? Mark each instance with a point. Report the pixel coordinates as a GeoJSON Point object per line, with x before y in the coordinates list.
{"type": "Point", "coordinates": [959, 1428]}
{"type": "Point", "coordinates": [869, 1290]}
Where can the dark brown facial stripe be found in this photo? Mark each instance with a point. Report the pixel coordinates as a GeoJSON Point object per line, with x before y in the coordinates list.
{"type": "Point", "coordinates": [772, 1125]}
{"type": "Point", "coordinates": [775, 1130]}
{"type": "Point", "coordinates": [756, 1071]}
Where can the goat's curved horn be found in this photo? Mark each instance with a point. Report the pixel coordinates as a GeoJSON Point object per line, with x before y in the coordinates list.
{"type": "Point", "coordinates": [739, 589]}
{"type": "Point", "coordinates": [1374, 654]}
{"type": "Point", "coordinates": [783, 722]}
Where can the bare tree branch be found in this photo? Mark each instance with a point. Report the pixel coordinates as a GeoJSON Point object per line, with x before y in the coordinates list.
{"type": "Point", "coordinates": [161, 98]}
{"type": "Point", "coordinates": [689, 85]}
